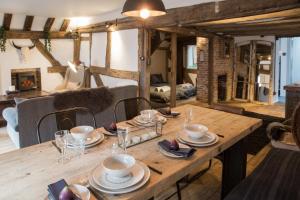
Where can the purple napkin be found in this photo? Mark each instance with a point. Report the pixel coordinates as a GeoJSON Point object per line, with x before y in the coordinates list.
{"type": "Point", "coordinates": [55, 188]}
{"type": "Point", "coordinates": [167, 112]}
{"type": "Point", "coordinates": [185, 152]}
{"type": "Point", "coordinates": [108, 129]}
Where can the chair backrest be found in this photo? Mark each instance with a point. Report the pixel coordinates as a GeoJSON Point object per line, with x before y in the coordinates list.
{"type": "Point", "coordinates": [64, 120]}
{"type": "Point", "coordinates": [229, 109]}
{"type": "Point", "coordinates": [296, 125]}
{"type": "Point", "coordinates": [132, 107]}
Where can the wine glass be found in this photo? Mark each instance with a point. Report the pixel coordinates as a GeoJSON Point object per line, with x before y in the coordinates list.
{"type": "Point", "coordinates": [123, 138]}
{"type": "Point", "coordinates": [61, 142]}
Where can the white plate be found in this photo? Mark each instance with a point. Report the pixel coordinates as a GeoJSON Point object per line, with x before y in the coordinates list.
{"type": "Point", "coordinates": [93, 141]}
{"type": "Point", "coordinates": [125, 190]}
{"type": "Point", "coordinates": [138, 120]}
{"type": "Point", "coordinates": [79, 190]}
{"type": "Point", "coordinates": [199, 145]}
{"type": "Point", "coordinates": [102, 179]}
{"type": "Point", "coordinates": [206, 139]}
{"type": "Point", "coordinates": [172, 155]}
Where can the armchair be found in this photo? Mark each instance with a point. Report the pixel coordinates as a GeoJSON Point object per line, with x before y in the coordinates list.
{"type": "Point", "coordinates": [286, 135]}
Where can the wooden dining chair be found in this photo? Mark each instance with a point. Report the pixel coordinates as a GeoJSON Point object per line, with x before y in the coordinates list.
{"type": "Point", "coordinates": [65, 120]}
{"type": "Point", "coordinates": [130, 107]}
{"type": "Point", "coordinates": [286, 135]}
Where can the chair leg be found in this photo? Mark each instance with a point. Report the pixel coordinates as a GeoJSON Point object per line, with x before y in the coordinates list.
{"type": "Point", "coordinates": [178, 190]}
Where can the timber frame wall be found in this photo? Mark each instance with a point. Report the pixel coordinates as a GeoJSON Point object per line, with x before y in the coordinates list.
{"type": "Point", "coordinates": [214, 22]}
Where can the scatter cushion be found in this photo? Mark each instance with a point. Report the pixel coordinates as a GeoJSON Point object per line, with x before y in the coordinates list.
{"type": "Point", "coordinates": [10, 115]}
{"type": "Point", "coordinates": [156, 79]}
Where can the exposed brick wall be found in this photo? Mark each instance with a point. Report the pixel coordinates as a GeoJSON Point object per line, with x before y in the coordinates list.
{"type": "Point", "coordinates": [202, 75]}
{"type": "Point", "coordinates": [221, 66]}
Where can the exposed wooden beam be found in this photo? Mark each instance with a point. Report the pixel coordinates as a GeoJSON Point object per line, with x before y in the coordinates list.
{"type": "Point", "coordinates": [57, 69]}
{"type": "Point", "coordinates": [76, 52]}
{"type": "Point", "coordinates": [144, 44]}
{"type": "Point", "coordinates": [173, 69]}
{"type": "Point", "coordinates": [16, 34]}
{"type": "Point", "coordinates": [65, 25]}
{"type": "Point", "coordinates": [184, 31]}
{"type": "Point", "coordinates": [28, 23]}
{"type": "Point", "coordinates": [115, 73]}
{"type": "Point", "coordinates": [98, 80]}
{"type": "Point", "coordinates": [48, 24]}
{"type": "Point", "coordinates": [202, 13]}
{"type": "Point", "coordinates": [7, 21]}
{"type": "Point", "coordinates": [40, 46]}
{"type": "Point", "coordinates": [211, 52]}
{"type": "Point", "coordinates": [108, 50]}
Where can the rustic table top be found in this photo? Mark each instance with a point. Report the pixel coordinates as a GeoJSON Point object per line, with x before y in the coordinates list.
{"type": "Point", "coordinates": [26, 173]}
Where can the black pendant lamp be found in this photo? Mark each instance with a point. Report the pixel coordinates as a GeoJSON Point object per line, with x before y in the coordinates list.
{"type": "Point", "coordinates": [144, 8]}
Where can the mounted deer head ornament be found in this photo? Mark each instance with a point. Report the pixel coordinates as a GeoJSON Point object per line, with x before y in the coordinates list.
{"type": "Point", "coordinates": [24, 51]}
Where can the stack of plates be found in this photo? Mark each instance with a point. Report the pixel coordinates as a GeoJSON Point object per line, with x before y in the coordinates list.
{"type": "Point", "coordinates": [207, 140]}
{"type": "Point", "coordinates": [140, 121]}
{"type": "Point", "coordinates": [94, 139]}
{"type": "Point", "coordinates": [137, 178]}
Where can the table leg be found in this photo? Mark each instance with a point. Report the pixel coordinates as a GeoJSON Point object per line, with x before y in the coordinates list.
{"type": "Point", "coordinates": [234, 167]}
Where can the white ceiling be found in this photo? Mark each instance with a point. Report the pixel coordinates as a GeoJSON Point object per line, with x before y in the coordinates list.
{"type": "Point", "coordinates": [75, 8]}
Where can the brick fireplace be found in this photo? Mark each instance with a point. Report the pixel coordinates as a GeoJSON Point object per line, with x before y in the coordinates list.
{"type": "Point", "coordinates": [222, 69]}
{"type": "Point", "coordinates": [26, 79]}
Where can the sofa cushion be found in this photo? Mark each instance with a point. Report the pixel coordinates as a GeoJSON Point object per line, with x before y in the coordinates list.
{"type": "Point", "coordinates": [19, 100]}
{"type": "Point", "coordinates": [10, 115]}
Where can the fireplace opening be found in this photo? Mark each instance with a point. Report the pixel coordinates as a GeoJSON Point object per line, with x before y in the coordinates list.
{"type": "Point", "coordinates": [26, 79]}
{"type": "Point", "coordinates": [222, 87]}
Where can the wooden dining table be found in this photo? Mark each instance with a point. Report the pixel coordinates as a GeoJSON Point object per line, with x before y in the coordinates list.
{"type": "Point", "coordinates": [26, 173]}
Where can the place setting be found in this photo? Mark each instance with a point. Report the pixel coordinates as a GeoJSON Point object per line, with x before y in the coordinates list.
{"type": "Point", "coordinates": [197, 135]}
{"type": "Point", "coordinates": [119, 174]}
{"type": "Point", "coordinates": [148, 118]}
{"type": "Point", "coordinates": [85, 134]}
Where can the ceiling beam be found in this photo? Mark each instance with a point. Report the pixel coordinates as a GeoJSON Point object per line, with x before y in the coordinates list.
{"type": "Point", "coordinates": [28, 23]}
{"type": "Point", "coordinates": [65, 25]}
{"type": "Point", "coordinates": [201, 13]}
{"type": "Point", "coordinates": [48, 24]}
{"type": "Point", "coordinates": [17, 34]}
{"type": "Point", "coordinates": [7, 21]}
{"type": "Point", "coordinates": [188, 31]}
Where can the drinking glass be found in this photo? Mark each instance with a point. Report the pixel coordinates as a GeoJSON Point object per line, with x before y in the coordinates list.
{"type": "Point", "coordinates": [61, 142]}
{"type": "Point", "coordinates": [158, 127]}
{"type": "Point", "coordinates": [123, 138]}
{"type": "Point", "coordinates": [188, 117]}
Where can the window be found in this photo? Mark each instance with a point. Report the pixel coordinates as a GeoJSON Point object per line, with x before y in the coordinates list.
{"type": "Point", "coordinates": [191, 57]}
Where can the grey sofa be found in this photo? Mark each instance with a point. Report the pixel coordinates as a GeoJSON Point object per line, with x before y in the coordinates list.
{"type": "Point", "coordinates": [23, 134]}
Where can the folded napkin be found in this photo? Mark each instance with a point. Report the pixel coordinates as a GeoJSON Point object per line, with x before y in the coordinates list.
{"type": "Point", "coordinates": [185, 152]}
{"type": "Point", "coordinates": [167, 112]}
{"type": "Point", "coordinates": [55, 188]}
{"type": "Point", "coordinates": [108, 129]}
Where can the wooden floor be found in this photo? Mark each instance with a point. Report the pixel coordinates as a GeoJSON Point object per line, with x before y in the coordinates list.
{"type": "Point", "coordinates": [276, 110]}
{"type": "Point", "coordinates": [6, 145]}
{"type": "Point", "coordinates": [205, 188]}
{"type": "Point", "coordinates": [208, 187]}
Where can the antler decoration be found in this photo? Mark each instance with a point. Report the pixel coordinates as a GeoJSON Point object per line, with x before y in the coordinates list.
{"type": "Point", "coordinates": [18, 47]}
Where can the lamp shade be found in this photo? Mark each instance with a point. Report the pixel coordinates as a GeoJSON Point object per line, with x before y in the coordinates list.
{"type": "Point", "coordinates": [144, 8]}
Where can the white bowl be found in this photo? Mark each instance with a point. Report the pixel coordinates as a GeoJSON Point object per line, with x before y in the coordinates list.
{"type": "Point", "coordinates": [118, 165]}
{"type": "Point", "coordinates": [148, 115]}
{"type": "Point", "coordinates": [81, 132]}
{"type": "Point", "coordinates": [195, 131]}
